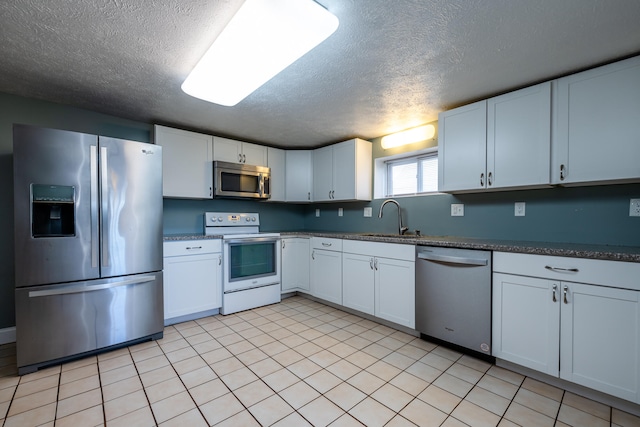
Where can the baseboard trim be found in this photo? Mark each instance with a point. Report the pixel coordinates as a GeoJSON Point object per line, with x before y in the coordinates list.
{"type": "Point", "coordinates": [8, 335]}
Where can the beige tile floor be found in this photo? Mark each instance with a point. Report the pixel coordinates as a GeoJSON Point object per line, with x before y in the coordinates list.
{"type": "Point", "coordinates": [297, 363]}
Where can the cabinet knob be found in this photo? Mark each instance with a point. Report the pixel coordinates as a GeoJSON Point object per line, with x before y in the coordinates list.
{"type": "Point", "coordinates": [565, 290]}
{"type": "Point", "coordinates": [313, 255]}
{"type": "Point", "coordinates": [375, 264]}
{"type": "Point", "coordinates": [371, 263]}
{"type": "Point", "coordinates": [219, 259]}
{"type": "Point", "coordinates": [283, 245]}
{"type": "Point", "coordinates": [555, 288]}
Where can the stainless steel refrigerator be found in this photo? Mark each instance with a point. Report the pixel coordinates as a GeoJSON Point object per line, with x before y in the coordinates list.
{"type": "Point", "coordinates": [88, 244]}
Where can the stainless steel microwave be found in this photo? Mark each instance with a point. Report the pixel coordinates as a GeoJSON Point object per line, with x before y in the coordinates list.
{"type": "Point", "coordinates": [234, 180]}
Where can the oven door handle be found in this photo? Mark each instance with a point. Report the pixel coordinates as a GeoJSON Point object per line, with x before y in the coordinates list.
{"type": "Point", "coordinates": [253, 240]}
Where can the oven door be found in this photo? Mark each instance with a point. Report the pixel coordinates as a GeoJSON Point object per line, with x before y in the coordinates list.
{"type": "Point", "coordinates": [251, 262]}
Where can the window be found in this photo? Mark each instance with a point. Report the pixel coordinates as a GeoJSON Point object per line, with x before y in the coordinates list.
{"type": "Point", "coordinates": [412, 175]}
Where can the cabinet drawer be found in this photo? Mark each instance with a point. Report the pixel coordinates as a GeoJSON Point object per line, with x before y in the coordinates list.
{"type": "Point", "coordinates": [326, 244]}
{"type": "Point", "coordinates": [593, 271]}
{"type": "Point", "coordinates": [191, 247]}
{"type": "Point", "coordinates": [380, 249]}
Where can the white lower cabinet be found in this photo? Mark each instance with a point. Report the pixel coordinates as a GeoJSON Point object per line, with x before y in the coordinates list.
{"type": "Point", "coordinates": [379, 279]}
{"type": "Point", "coordinates": [295, 264]}
{"type": "Point", "coordinates": [358, 277]}
{"type": "Point", "coordinates": [585, 333]}
{"type": "Point", "coordinates": [192, 277]}
{"type": "Point", "coordinates": [396, 291]}
{"type": "Point", "coordinates": [326, 269]}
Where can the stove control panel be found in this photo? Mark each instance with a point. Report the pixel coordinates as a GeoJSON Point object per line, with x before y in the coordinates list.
{"type": "Point", "coordinates": [231, 219]}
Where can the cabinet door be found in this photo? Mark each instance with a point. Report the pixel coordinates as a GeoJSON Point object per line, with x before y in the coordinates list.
{"type": "Point", "coordinates": [254, 154]}
{"type": "Point", "coordinates": [192, 283]}
{"type": "Point", "coordinates": [276, 162]}
{"type": "Point", "coordinates": [601, 339]}
{"type": "Point", "coordinates": [227, 150]}
{"type": "Point", "coordinates": [526, 321]}
{"type": "Point", "coordinates": [323, 174]}
{"type": "Point", "coordinates": [395, 291]}
{"type": "Point", "coordinates": [326, 275]}
{"type": "Point", "coordinates": [519, 138]}
{"type": "Point", "coordinates": [358, 282]}
{"type": "Point", "coordinates": [462, 148]}
{"type": "Point", "coordinates": [597, 132]}
{"type": "Point", "coordinates": [344, 171]}
{"type": "Point", "coordinates": [298, 175]}
{"type": "Point", "coordinates": [295, 264]}
{"type": "Point", "coordinates": [187, 169]}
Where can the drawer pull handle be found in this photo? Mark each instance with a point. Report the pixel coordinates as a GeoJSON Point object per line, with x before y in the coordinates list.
{"type": "Point", "coordinates": [566, 270]}
{"type": "Point", "coordinates": [326, 244]}
{"type": "Point", "coordinates": [189, 248]}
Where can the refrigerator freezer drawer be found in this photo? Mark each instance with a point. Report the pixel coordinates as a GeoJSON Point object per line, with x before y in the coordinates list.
{"type": "Point", "coordinates": [59, 321]}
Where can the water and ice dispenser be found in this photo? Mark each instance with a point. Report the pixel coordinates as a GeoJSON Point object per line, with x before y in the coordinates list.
{"type": "Point", "coordinates": [52, 210]}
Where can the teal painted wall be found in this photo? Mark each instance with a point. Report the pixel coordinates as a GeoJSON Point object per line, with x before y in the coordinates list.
{"type": "Point", "coordinates": [581, 215]}
{"type": "Point", "coordinates": [592, 215]}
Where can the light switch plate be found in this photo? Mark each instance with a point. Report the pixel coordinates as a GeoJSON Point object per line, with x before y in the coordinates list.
{"type": "Point", "coordinates": [340, 212]}
{"type": "Point", "coordinates": [519, 208]}
{"type": "Point", "coordinates": [317, 212]}
{"type": "Point", "coordinates": [457, 209]}
{"type": "Point", "coordinates": [368, 211]}
{"type": "Point", "coordinates": [634, 207]}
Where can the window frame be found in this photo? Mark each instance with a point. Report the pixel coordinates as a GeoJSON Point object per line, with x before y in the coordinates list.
{"type": "Point", "coordinates": [382, 176]}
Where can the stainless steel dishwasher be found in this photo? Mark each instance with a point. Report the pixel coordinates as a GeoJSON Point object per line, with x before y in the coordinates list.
{"type": "Point", "coordinates": [453, 296]}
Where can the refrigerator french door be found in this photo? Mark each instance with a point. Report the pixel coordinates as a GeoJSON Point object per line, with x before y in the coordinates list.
{"type": "Point", "coordinates": [88, 243]}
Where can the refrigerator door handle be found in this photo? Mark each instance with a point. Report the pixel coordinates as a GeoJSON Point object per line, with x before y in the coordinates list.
{"type": "Point", "coordinates": [94, 206]}
{"type": "Point", "coordinates": [104, 208]}
{"type": "Point", "coordinates": [97, 287]}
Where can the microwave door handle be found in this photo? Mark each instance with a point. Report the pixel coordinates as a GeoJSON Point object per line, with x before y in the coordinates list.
{"type": "Point", "coordinates": [261, 181]}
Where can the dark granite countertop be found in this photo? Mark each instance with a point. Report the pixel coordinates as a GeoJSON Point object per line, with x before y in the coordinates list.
{"type": "Point", "coordinates": [180, 237]}
{"type": "Point", "coordinates": [575, 250]}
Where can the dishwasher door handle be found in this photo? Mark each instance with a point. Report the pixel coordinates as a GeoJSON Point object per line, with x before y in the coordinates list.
{"type": "Point", "coordinates": [429, 256]}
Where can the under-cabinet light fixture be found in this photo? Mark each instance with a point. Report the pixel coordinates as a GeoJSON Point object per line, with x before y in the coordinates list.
{"type": "Point", "coordinates": [263, 38]}
{"type": "Point", "coordinates": [409, 136]}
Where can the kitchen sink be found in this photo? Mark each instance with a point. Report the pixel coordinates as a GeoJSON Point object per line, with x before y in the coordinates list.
{"type": "Point", "coordinates": [394, 236]}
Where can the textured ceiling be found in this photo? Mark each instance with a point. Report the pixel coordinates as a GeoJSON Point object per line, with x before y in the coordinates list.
{"type": "Point", "coordinates": [390, 65]}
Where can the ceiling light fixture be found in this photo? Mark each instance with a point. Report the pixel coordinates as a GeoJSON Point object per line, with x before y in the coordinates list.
{"type": "Point", "coordinates": [421, 133]}
{"type": "Point", "coordinates": [263, 38]}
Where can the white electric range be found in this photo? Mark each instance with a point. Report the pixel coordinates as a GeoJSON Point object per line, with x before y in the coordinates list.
{"type": "Point", "coordinates": [251, 273]}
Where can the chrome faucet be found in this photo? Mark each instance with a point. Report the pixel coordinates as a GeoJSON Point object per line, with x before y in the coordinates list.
{"type": "Point", "coordinates": [401, 228]}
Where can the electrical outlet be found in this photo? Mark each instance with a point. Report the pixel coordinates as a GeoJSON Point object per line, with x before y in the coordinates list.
{"type": "Point", "coordinates": [317, 212]}
{"type": "Point", "coordinates": [634, 207]}
{"type": "Point", "coordinates": [368, 211]}
{"type": "Point", "coordinates": [340, 212]}
{"type": "Point", "coordinates": [519, 208]}
{"type": "Point", "coordinates": [457, 209]}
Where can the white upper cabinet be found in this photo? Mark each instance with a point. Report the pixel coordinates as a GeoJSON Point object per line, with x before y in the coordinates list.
{"type": "Point", "coordinates": [276, 162]}
{"type": "Point", "coordinates": [230, 150]}
{"type": "Point", "coordinates": [462, 148]}
{"type": "Point", "coordinates": [322, 173]}
{"type": "Point", "coordinates": [501, 143]}
{"type": "Point", "coordinates": [519, 138]}
{"type": "Point", "coordinates": [298, 175]}
{"type": "Point", "coordinates": [187, 169]}
{"type": "Point", "coordinates": [343, 171]}
{"type": "Point", "coordinates": [597, 125]}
